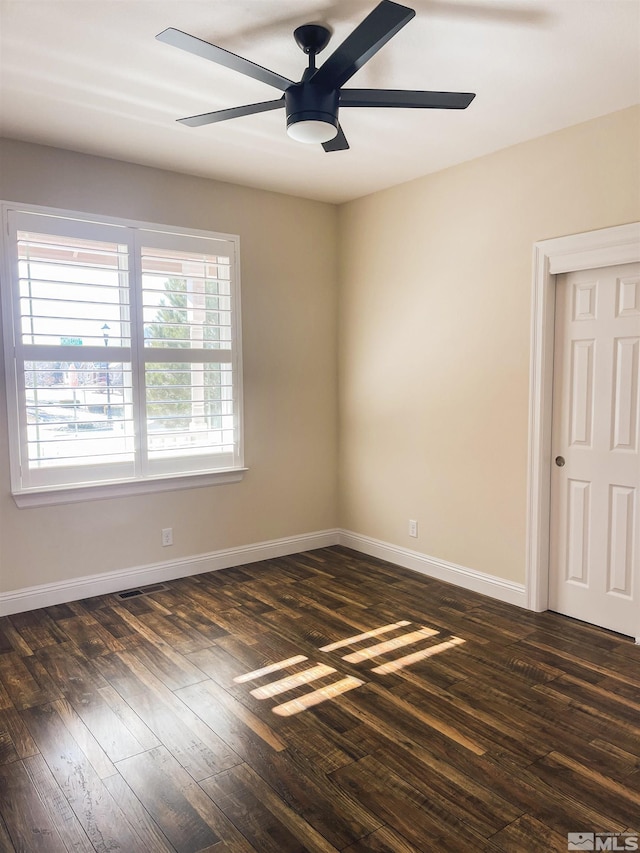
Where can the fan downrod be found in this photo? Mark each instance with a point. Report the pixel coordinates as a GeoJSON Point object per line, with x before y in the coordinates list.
{"type": "Point", "coordinates": [312, 38]}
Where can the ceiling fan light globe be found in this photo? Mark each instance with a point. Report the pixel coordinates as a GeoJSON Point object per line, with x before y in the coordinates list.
{"type": "Point", "coordinates": [310, 131]}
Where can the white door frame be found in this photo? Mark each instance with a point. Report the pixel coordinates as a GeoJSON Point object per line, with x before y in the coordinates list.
{"type": "Point", "coordinates": [606, 247]}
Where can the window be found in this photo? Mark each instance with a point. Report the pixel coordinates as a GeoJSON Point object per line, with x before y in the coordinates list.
{"type": "Point", "coordinates": [122, 355]}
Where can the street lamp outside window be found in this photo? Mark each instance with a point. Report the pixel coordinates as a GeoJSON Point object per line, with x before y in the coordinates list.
{"type": "Point", "coordinates": [105, 333]}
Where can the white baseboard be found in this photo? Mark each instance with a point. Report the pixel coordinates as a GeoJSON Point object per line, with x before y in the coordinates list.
{"type": "Point", "coordinates": [499, 588]}
{"type": "Point", "coordinates": [74, 589]}
{"type": "Point", "coordinates": [60, 592]}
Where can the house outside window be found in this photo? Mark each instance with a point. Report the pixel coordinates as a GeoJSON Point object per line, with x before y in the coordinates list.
{"type": "Point", "coordinates": [122, 351]}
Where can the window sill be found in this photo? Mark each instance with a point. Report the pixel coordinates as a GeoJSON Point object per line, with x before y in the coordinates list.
{"type": "Point", "coordinates": [102, 491]}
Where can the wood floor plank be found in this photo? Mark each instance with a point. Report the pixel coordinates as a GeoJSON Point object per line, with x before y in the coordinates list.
{"type": "Point", "coordinates": [103, 821]}
{"type": "Point", "coordinates": [632, 782]}
{"type": "Point", "coordinates": [326, 748]}
{"type": "Point", "coordinates": [483, 811]}
{"type": "Point", "coordinates": [199, 619]}
{"type": "Point", "coordinates": [384, 840]}
{"type": "Point", "coordinates": [380, 713]}
{"type": "Point", "coordinates": [151, 835]}
{"type": "Point", "coordinates": [568, 649]}
{"type": "Point", "coordinates": [5, 642]}
{"type": "Point", "coordinates": [80, 685]}
{"type": "Point", "coordinates": [527, 833]}
{"type": "Point", "coordinates": [242, 625]}
{"type": "Point", "coordinates": [62, 815]}
{"type": "Point", "coordinates": [181, 808]}
{"type": "Point", "coordinates": [26, 681]}
{"type": "Point", "coordinates": [620, 801]}
{"type": "Point", "coordinates": [121, 721]}
{"type": "Point", "coordinates": [179, 635]}
{"type": "Point", "coordinates": [555, 727]}
{"type": "Point", "coordinates": [319, 742]}
{"type": "Point", "coordinates": [228, 718]}
{"type": "Point", "coordinates": [196, 746]}
{"type": "Point", "coordinates": [129, 719]}
{"type": "Point", "coordinates": [272, 648]}
{"type": "Point", "coordinates": [59, 611]}
{"type": "Point", "coordinates": [559, 661]}
{"type": "Point", "coordinates": [488, 778]}
{"type": "Point", "coordinates": [17, 734]}
{"type": "Point", "coordinates": [113, 622]}
{"type": "Point", "coordinates": [297, 782]}
{"type": "Point", "coordinates": [92, 638]}
{"type": "Point", "coordinates": [268, 823]}
{"type": "Point", "coordinates": [403, 809]}
{"type": "Point", "coordinates": [37, 630]}
{"type": "Point", "coordinates": [97, 757]}
{"type": "Point", "coordinates": [205, 596]}
{"type": "Point", "coordinates": [6, 844]}
{"type": "Point", "coordinates": [281, 808]}
{"type": "Point", "coordinates": [28, 822]}
{"type": "Point", "coordinates": [13, 640]}
{"type": "Point", "coordinates": [608, 702]}
{"type": "Point", "coordinates": [625, 761]}
{"type": "Point", "coordinates": [8, 752]}
{"type": "Point", "coordinates": [172, 668]}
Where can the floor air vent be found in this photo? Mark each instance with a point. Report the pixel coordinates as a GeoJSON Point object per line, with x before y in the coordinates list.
{"type": "Point", "coordinates": [143, 590]}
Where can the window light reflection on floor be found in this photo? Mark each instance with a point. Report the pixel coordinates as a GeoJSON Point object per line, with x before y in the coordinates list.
{"type": "Point", "coordinates": [292, 681]}
{"type": "Point", "coordinates": [350, 641]}
{"type": "Point", "coordinates": [317, 671]}
{"type": "Point", "coordinates": [267, 670]}
{"type": "Point", "coordinates": [389, 645]}
{"type": "Point", "coordinates": [288, 709]}
{"type": "Point", "coordinates": [407, 660]}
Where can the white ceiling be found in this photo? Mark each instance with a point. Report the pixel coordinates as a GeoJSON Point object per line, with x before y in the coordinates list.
{"type": "Point", "coordinates": [88, 75]}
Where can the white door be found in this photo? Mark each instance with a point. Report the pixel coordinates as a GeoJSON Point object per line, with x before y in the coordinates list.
{"type": "Point", "coordinates": [594, 572]}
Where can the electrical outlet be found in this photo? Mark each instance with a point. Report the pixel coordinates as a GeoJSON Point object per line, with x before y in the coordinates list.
{"type": "Point", "coordinates": [167, 536]}
{"type": "Point", "coordinates": [413, 528]}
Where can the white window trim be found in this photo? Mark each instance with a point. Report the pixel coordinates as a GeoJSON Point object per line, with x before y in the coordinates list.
{"type": "Point", "coordinates": [67, 495]}
{"type": "Point", "coordinates": [51, 495]}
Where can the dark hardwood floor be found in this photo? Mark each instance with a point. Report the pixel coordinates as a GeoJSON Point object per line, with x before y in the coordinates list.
{"type": "Point", "coordinates": [327, 701]}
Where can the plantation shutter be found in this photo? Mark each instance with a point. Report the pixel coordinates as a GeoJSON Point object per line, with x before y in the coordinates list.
{"type": "Point", "coordinates": [124, 350]}
{"type": "Point", "coordinates": [188, 352]}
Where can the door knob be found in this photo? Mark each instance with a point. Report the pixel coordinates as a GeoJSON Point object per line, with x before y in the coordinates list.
{"type": "Point", "coordinates": [559, 461]}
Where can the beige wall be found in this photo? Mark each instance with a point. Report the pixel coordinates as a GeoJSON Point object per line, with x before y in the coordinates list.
{"type": "Point", "coordinates": [426, 355]}
{"type": "Point", "coordinates": [434, 337]}
{"type": "Point", "coordinates": [288, 261]}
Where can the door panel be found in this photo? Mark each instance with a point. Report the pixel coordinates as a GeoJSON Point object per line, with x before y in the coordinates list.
{"type": "Point", "coordinates": [595, 511]}
{"type": "Point", "coordinates": [581, 403]}
{"type": "Point", "coordinates": [625, 395]}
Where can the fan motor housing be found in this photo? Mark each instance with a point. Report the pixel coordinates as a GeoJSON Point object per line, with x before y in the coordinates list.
{"type": "Point", "coordinates": [306, 102]}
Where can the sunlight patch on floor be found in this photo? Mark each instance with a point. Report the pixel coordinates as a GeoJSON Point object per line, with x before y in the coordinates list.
{"type": "Point", "coordinates": [414, 657]}
{"type": "Point", "coordinates": [317, 671]}
{"type": "Point", "coordinates": [292, 681]}
{"type": "Point", "coordinates": [389, 645]}
{"type": "Point", "coordinates": [350, 641]}
{"type": "Point", "coordinates": [267, 670]}
{"type": "Point", "coordinates": [295, 706]}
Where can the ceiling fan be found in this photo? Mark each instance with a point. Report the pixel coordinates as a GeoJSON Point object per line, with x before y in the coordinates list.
{"type": "Point", "coordinates": [312, 104]}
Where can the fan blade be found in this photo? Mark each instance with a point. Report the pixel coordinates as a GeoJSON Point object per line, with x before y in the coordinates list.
{"type": "Point", "coordinates": [233, 112]}
{"type": "Point", "coordinates": [338, 143]}
{"type": "Point", "coordinates": [405, 98]}
{"type": "Point", "coordinates": [176, 38]}
{"type": "Point", "coordinates": [374, 32]}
